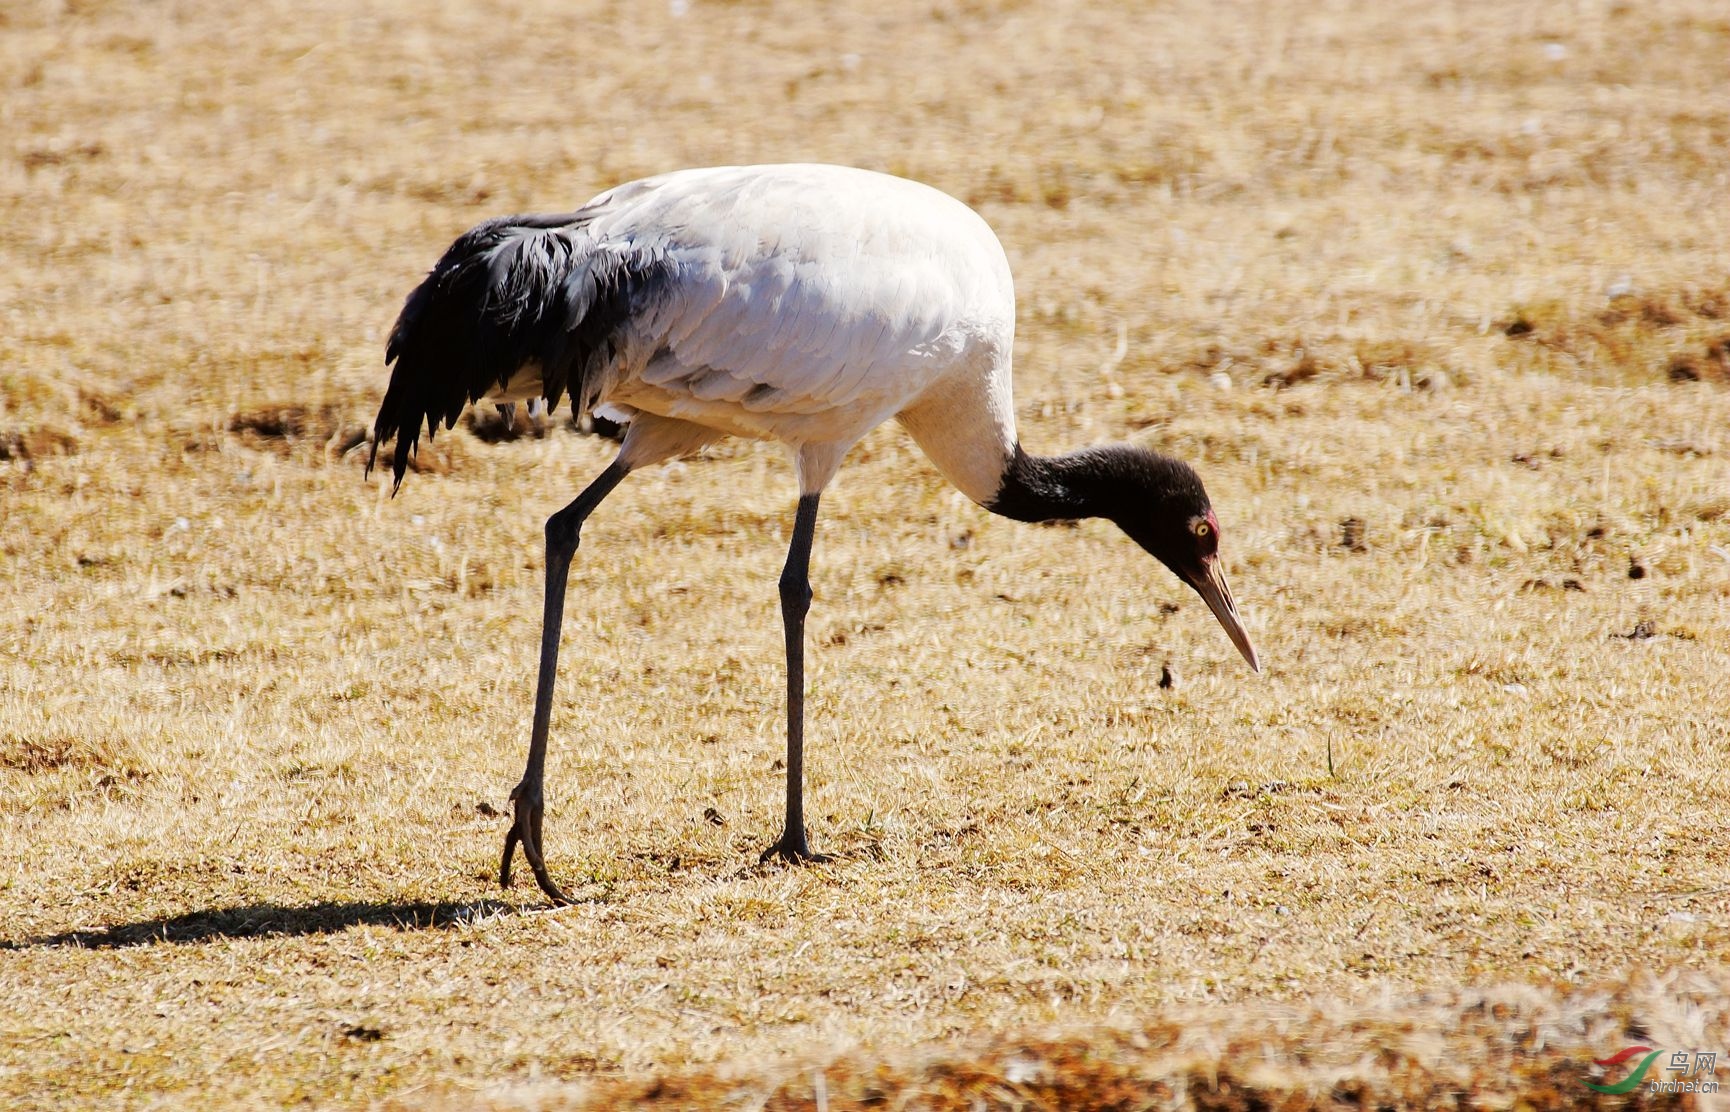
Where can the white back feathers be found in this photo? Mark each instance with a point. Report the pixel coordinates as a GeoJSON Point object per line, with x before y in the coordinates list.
{"type": "Point", "coordinates": [796, 303]}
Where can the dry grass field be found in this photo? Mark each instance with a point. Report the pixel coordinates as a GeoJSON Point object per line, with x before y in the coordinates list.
{"type": "Point", "coordinates": [1436, 297]}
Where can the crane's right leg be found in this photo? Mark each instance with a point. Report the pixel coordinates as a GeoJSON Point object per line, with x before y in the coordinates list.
{"type": "Point", "coordinates": [562, 535]}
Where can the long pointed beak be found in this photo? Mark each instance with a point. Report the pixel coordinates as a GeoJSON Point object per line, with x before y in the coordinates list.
{"type": "Point", "coordinates": [1214, 590]}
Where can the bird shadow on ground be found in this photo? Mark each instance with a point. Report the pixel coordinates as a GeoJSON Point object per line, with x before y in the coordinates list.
{"type": "Point", "coordinates": [267, 920]}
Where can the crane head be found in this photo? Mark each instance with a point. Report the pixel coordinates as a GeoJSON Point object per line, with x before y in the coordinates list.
{"type": "Point", "coordinates": [1202, 571]}
{"type": "Point", "coordinates": [1176, 524]}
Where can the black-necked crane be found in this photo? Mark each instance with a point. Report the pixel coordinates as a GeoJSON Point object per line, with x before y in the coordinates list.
{"type": "Point", "coordinates": [802, 304]}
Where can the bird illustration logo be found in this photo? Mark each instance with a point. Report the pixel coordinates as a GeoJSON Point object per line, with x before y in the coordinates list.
{"type": "Point", "coordinates": [1627, 1084]}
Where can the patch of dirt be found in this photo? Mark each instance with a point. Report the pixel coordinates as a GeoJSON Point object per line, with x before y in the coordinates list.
{"type": "Point", "coordinates": [1282, 362]}
{"type": "Point", "coordinates": [45, 754]}
{"type": "Point", "coordinates": [98, 766]}
{"type": "Point", "coordinates": [288, 421]}
{"type": "Point", "coordinates": [35, 443]}
{"type": "Point", "coordinates": [1679, 335]}
{"type": "Point", "coordinates": [286, 426]}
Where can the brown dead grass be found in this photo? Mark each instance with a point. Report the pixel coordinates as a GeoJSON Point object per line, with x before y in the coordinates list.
{"type": "Point", "coordinates": [1502, 1047]}
{"type": "Point", "coordinates": [1680, 335]}
{"type": "Point", "coordinates": [1432, 295]}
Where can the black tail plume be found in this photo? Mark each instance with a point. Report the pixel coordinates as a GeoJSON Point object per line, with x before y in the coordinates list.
{"type": "Point", "coordinates": [512, 292]}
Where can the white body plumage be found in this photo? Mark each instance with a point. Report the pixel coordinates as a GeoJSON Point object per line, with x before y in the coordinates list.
{"type": "Point", "coordinates": [807, 304]}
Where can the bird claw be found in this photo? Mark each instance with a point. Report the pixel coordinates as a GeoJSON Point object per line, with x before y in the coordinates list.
{"type": "Point", "coordinates": [794, 850]}
{"type": "Point", "coordinates": [526, 828]}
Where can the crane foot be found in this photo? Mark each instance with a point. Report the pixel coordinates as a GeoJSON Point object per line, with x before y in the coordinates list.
{"type": "Point", "coordinates": [793, 849]}
{"type": "Point", "coordinates": [526, 828]}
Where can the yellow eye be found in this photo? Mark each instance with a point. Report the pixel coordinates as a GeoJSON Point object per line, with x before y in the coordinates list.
{"type": "Point", "coordinates": [1202, 529]}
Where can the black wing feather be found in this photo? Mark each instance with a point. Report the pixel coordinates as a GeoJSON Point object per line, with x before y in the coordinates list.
{"type": "Point", "coordinates": [518, 290]}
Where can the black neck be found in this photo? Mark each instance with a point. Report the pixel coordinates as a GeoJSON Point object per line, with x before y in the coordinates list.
{"type": "Point", "coordinates": [1117, 481]}
{"type": "Point", "coordinates": [1040, 488]}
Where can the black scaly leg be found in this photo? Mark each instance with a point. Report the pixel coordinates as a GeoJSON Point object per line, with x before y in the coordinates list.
{"type": "Point", "coordinates": [562, 534]}
{"type": "Point", "coordinates": [795, 602]}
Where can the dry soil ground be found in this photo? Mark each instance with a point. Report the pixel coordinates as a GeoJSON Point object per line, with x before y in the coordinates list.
{"type": "Point", "coordinates": [1437, 297]}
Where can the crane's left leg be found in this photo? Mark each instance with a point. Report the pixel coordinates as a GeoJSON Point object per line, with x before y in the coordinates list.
{"type": "Point", "coordinates": [562, 535]}
{"type": "Point", "coordinates": [795, 603]}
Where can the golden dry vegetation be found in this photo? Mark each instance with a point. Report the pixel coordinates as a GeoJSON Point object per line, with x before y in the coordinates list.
{"type": "Point", "coordinates": [1437, 297]}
